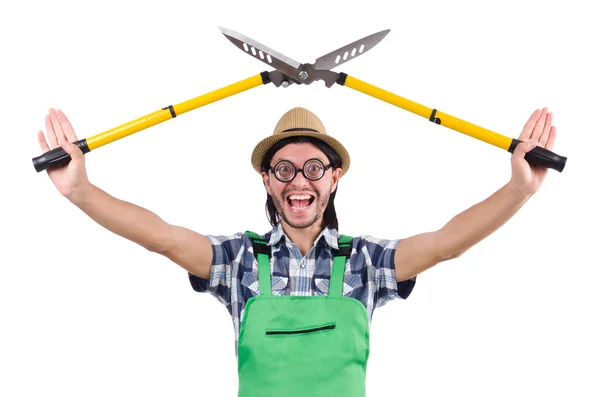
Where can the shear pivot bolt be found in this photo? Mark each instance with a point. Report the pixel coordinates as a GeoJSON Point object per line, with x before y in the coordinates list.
{"type": "Point", "coordinates": [284, 83]}
{"type": "Point", "coordinates": [303, 75]}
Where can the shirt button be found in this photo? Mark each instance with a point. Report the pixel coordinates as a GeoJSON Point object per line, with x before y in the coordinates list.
{"type": "Point", "coordinates": [302, 265]}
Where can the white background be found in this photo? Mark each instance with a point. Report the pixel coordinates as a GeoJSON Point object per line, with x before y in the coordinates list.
{"type": "Point", "coordinates": [84, 312]}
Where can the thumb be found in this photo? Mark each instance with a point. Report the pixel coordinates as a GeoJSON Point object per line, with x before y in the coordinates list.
{"type": "Point", "coordinates": [524, 147]}
{"type": "Point", "coordinates": [72, 150]}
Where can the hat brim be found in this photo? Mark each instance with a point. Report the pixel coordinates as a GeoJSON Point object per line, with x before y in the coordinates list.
{"type": "Point", "coordinates": [263, 147]}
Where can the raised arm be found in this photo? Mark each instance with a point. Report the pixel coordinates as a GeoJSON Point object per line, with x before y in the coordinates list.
{"type": "Point", "coordinates": [188, 249]}
{"type": "Point", "coordinates": [423, 251]}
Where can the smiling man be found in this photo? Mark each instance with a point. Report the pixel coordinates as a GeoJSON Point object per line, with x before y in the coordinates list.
{"type": "Point", "coordinates": [301, 296]}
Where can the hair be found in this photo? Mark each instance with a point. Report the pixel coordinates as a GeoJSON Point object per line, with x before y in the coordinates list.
{"type": "Point", "coordinates": [329, 215]}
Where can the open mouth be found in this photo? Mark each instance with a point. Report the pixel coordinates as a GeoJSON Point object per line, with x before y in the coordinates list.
{"type": "Point", "coordinates": [300, 202]}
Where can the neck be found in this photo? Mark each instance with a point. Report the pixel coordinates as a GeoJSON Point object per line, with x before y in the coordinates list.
{"type": "Point", "coordinates": [303, 238]}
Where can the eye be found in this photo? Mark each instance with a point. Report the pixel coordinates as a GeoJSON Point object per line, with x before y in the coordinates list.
{"type": "Point", "coordinates": [284, 169]}
{"type": "Point", "coordinates": [314, 168]}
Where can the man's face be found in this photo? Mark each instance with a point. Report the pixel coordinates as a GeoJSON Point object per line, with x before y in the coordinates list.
{"type": "Point", "coordinates": [301, 202]}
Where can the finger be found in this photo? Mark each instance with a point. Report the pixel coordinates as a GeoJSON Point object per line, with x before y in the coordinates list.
{"type": "Point", "coordinates": [543, 139]}
{"type": "Point", "coordinates": [539, 125]}
{"type": "Point", "coordinates": [50, 131]}
{"type": "Point", "coordinates": [551, 138]}
{"type": "Point", "coordinates": [66, 126]}
{"type": "Point", "coordinates": [60, 134]}
{"type": "Point", "coordinates": [42, 142]}
{"type": "Point", "coordinates": [528, 128]}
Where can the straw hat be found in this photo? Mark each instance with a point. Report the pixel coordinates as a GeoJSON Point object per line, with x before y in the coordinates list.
{"type": "Point", "coordinates": [299, 122]}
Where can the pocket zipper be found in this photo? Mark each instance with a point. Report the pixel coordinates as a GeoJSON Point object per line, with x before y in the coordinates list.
{"type": "Point", "coordinates": [301, 331]}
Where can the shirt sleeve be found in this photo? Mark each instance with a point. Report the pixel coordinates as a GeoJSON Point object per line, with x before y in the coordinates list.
{"type": "Point", "coordinates": [386, 288]}
{"type": "Point", "coordinates": [227, 251]}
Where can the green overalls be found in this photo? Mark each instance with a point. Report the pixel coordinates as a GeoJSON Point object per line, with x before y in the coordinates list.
{"type": "Point", "coordinates": [309, 346]}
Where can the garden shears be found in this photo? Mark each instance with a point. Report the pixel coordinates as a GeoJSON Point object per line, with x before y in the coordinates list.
{"type": "Point", "coordinates": [287, 71]}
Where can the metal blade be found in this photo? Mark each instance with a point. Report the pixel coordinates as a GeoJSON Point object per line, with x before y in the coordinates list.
{"type": "Point", "coordinates": [349, 52]}
{"type": "Point", "coordinates": [262, 52]}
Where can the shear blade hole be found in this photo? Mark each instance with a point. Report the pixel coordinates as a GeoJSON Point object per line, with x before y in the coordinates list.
{"type": "Point", "coordinates": [361, 49]}
{"type": "Point", "coordinates": [253, 51]}
{"type": "Point", "coordinates": [262, 56]}
{"type": "Point", "coordinates": [269, 58]}
{"type": "Point", "coordinates": [346, 55]}
{"type": "Point", "coordinates": [246, 47]}
{"type": "Point", "coordinates": [337, 59]}
{"type": "Point", "coordinates": [353, 52]}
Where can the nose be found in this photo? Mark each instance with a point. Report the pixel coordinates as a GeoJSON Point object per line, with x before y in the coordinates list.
{"type": "Point", "coordinates": [299, 180]}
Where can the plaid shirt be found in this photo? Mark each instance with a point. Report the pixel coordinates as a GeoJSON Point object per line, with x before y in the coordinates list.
{"type": "Point", "coordinates": [369, 276]}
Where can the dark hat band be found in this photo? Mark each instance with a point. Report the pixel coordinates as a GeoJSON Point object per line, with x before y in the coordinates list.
{"type": "Point", "coordinates": [300, 129]}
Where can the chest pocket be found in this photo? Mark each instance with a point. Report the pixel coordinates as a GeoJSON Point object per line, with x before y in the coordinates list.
{"type": "Point", "coordinates": [352, 286]}
{"type": "Point", "coordinates": [279, 284]}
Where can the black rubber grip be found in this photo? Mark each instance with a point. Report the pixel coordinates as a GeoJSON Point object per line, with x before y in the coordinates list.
{"type": "Point", "coordinates": [542, 157]}
{"type": "Point", "coordinates": [57, 157]}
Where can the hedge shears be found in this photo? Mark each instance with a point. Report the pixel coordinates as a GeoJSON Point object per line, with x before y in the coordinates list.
{"type": "Point", "coordinates": [287, 71]}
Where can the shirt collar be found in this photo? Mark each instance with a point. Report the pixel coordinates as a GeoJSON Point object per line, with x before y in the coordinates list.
{"type": "Point", "coordinates": [328, 235]}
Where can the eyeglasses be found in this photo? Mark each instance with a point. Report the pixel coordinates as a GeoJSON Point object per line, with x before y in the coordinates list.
{"type": "Point", "coordinates": [313, 170]}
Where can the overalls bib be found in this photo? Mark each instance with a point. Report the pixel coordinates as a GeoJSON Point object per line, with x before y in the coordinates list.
{"type": "Point", "coordinates": [309, 346]}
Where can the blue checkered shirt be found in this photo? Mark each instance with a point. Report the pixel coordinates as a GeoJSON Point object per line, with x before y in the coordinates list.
{"type": "Point", "coordinates": [369, 276]}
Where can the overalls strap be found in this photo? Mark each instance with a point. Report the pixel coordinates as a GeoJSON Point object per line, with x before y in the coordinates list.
{"type": "Point", "coordinates": [263, 255]}
{"type": "Point", "coordinates": [340, 255]}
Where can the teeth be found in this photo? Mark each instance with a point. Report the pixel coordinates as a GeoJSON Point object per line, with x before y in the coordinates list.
{"type": "Point", "coordinates": [298, 197]}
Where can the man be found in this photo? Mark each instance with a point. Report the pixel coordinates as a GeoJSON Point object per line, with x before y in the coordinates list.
{"type": "Point", "coordinates": [301, 296]}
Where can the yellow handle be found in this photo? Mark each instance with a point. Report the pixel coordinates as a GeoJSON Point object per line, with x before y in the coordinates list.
{"type": "Point", "coordinates": [170, 112]}
{"type": "Point", "coordinates": [434, 115]}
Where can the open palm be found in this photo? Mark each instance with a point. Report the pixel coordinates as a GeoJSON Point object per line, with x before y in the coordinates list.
{"type": "Point", "coordinates": [70, 178]}
{"type": "Point", "coordinates": [538, 131]}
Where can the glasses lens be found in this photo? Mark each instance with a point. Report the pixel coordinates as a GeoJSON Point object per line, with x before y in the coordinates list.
{"type": "Point", "coordinates": [285, 170]}
{"type": "Point", "coordinates": [313, 169]}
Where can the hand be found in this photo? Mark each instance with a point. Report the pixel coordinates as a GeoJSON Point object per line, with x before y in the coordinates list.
{"type": "Point", "coordinates": [538, 131]}
{"type": "Point", "coordinates": [71, 178]}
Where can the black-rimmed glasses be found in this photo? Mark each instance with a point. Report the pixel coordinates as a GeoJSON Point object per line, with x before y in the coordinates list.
{"type": "Point", "coordinates": [313, 170]}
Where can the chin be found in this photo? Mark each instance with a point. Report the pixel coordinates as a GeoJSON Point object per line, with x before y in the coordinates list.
{"type": "Point", "coordinates": [301, 222]}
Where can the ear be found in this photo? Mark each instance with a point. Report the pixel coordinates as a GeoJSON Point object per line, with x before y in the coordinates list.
{"type": "Point", "coordinates": [266, 182]}
{"type": "Point", "coordinates": [337, 174]}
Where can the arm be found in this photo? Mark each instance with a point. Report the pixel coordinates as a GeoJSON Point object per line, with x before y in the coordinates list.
{"type": "Point", "coordinates": [190, 250]}
{"type": "Point", "coordinates": [423, 251]}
